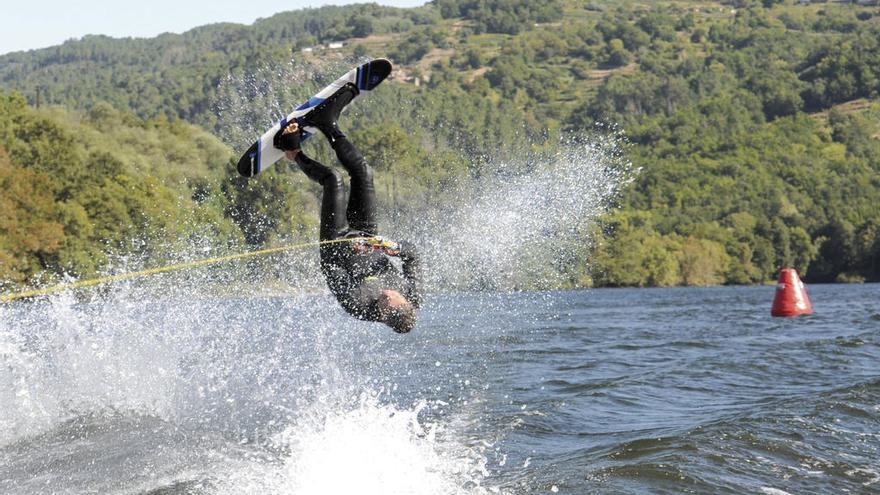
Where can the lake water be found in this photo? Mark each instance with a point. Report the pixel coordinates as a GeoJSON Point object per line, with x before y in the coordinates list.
{"type": "Point", "coordinates": [599, 391]}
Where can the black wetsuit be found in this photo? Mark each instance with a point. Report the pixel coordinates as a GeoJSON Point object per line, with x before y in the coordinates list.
{"type": "Point", "coordinates": [358, 271]}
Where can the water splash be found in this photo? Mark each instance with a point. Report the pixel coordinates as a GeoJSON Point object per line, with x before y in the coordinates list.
{"type": "Point", "coordinates": [380, 448]}
{"type": "Point", "coordinates": [236, 402]}
{"type": "Point", "coordinates": [206, 391]}
{"type": "Point", "coordinates": [60, 358]}
{"type": "Point", "coordinates": [525, 224]}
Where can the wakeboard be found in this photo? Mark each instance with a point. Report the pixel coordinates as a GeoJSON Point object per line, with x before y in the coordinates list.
{"type": "Point", "coordinates": [261, 155]}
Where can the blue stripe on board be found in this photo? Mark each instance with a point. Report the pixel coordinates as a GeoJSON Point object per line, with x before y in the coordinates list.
{"type": "Point", "coordinates": [309, 104]}
{"type": "Point", "coordinates": [367, 77]}
{"type": "Point", "coordinates": [358, 78]}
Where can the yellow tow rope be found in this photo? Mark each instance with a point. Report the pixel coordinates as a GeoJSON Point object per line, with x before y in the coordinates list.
{"type": "Point", "coordinates": [168, 268]}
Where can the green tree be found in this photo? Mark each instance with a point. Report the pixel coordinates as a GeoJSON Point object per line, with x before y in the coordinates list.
{"type": "Point", "coordinates": [703, 262]}
{"type": "Point", "coordinates": [30, 230]}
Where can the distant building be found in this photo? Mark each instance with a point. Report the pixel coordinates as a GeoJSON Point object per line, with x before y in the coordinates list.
{"type": "Point", "coordinates": [308, 50]}
{"type": "Point", "coordinates": [335, 44]}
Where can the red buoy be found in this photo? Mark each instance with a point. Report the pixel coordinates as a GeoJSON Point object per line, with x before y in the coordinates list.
{"type": "Point", "coordinates": [791, 295]}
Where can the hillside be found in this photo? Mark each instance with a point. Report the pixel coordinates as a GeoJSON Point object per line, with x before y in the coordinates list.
{"type": "Point", "coordinates": [77, 187]}
{"type": "Point", "coordinates": [755, 124]}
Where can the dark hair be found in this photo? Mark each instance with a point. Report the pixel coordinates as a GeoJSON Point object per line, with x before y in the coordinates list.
{"type": "Point", "coordinates": [401, 319]}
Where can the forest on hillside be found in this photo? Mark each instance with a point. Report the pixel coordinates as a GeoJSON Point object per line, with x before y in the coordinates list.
{"type": "Point", "coordinates": [755, 126]}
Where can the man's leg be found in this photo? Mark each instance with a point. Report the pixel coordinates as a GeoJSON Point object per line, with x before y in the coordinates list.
{"type": "Point", "coordinates": [361, 211]}
{"type": "Point", "coordinates": [362, 198]}
{"type": "Point", "coordinates": [333, 198]}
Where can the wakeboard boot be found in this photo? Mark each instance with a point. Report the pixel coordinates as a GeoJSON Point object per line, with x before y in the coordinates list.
{"type": "Point", "coordinates": [326, 114]}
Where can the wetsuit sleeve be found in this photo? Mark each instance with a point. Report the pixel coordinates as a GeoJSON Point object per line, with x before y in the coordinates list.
{"type": "Point", "coordinates": [412, 271]}
{"type": "Point", "coordinates": [342, 285]}
{"type": "Point", "coordinates": [338, 279]}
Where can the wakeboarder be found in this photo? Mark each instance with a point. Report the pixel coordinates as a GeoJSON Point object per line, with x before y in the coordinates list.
{"type": "Point", "coordinates": [373, 278]}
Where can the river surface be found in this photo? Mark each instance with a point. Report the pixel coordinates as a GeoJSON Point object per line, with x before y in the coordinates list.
{"type": "Point", "coordinates": [594, 391]}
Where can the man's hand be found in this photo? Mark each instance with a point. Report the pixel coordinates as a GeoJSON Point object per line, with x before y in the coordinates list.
{"type": "Point", "coordinates": [290, 144]}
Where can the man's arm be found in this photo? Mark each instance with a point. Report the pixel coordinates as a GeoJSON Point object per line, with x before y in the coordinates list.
{"type": "Point", "coordinates": [412, 271]}
{"type": "Point", "coordinates": [341, 286]}
{"type": "Point", "coordinates": [338, 279]}
{"type": "Point", "coordinates": [341, 283]}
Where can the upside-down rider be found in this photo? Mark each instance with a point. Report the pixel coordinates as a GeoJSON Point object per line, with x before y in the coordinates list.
{"type": "Point", "coordinates": [374, 279]}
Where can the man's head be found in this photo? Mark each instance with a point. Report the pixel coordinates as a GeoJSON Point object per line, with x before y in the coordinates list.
{"type": "Point", "coordinates": [396, 312]}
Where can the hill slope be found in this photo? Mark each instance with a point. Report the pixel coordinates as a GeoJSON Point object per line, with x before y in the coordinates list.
{"type": "Point", "coordinates": [739, 113]}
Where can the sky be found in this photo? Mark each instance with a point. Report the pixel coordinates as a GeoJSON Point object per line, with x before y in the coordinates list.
{"type": "Point", "coordinates": [30, 24]}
